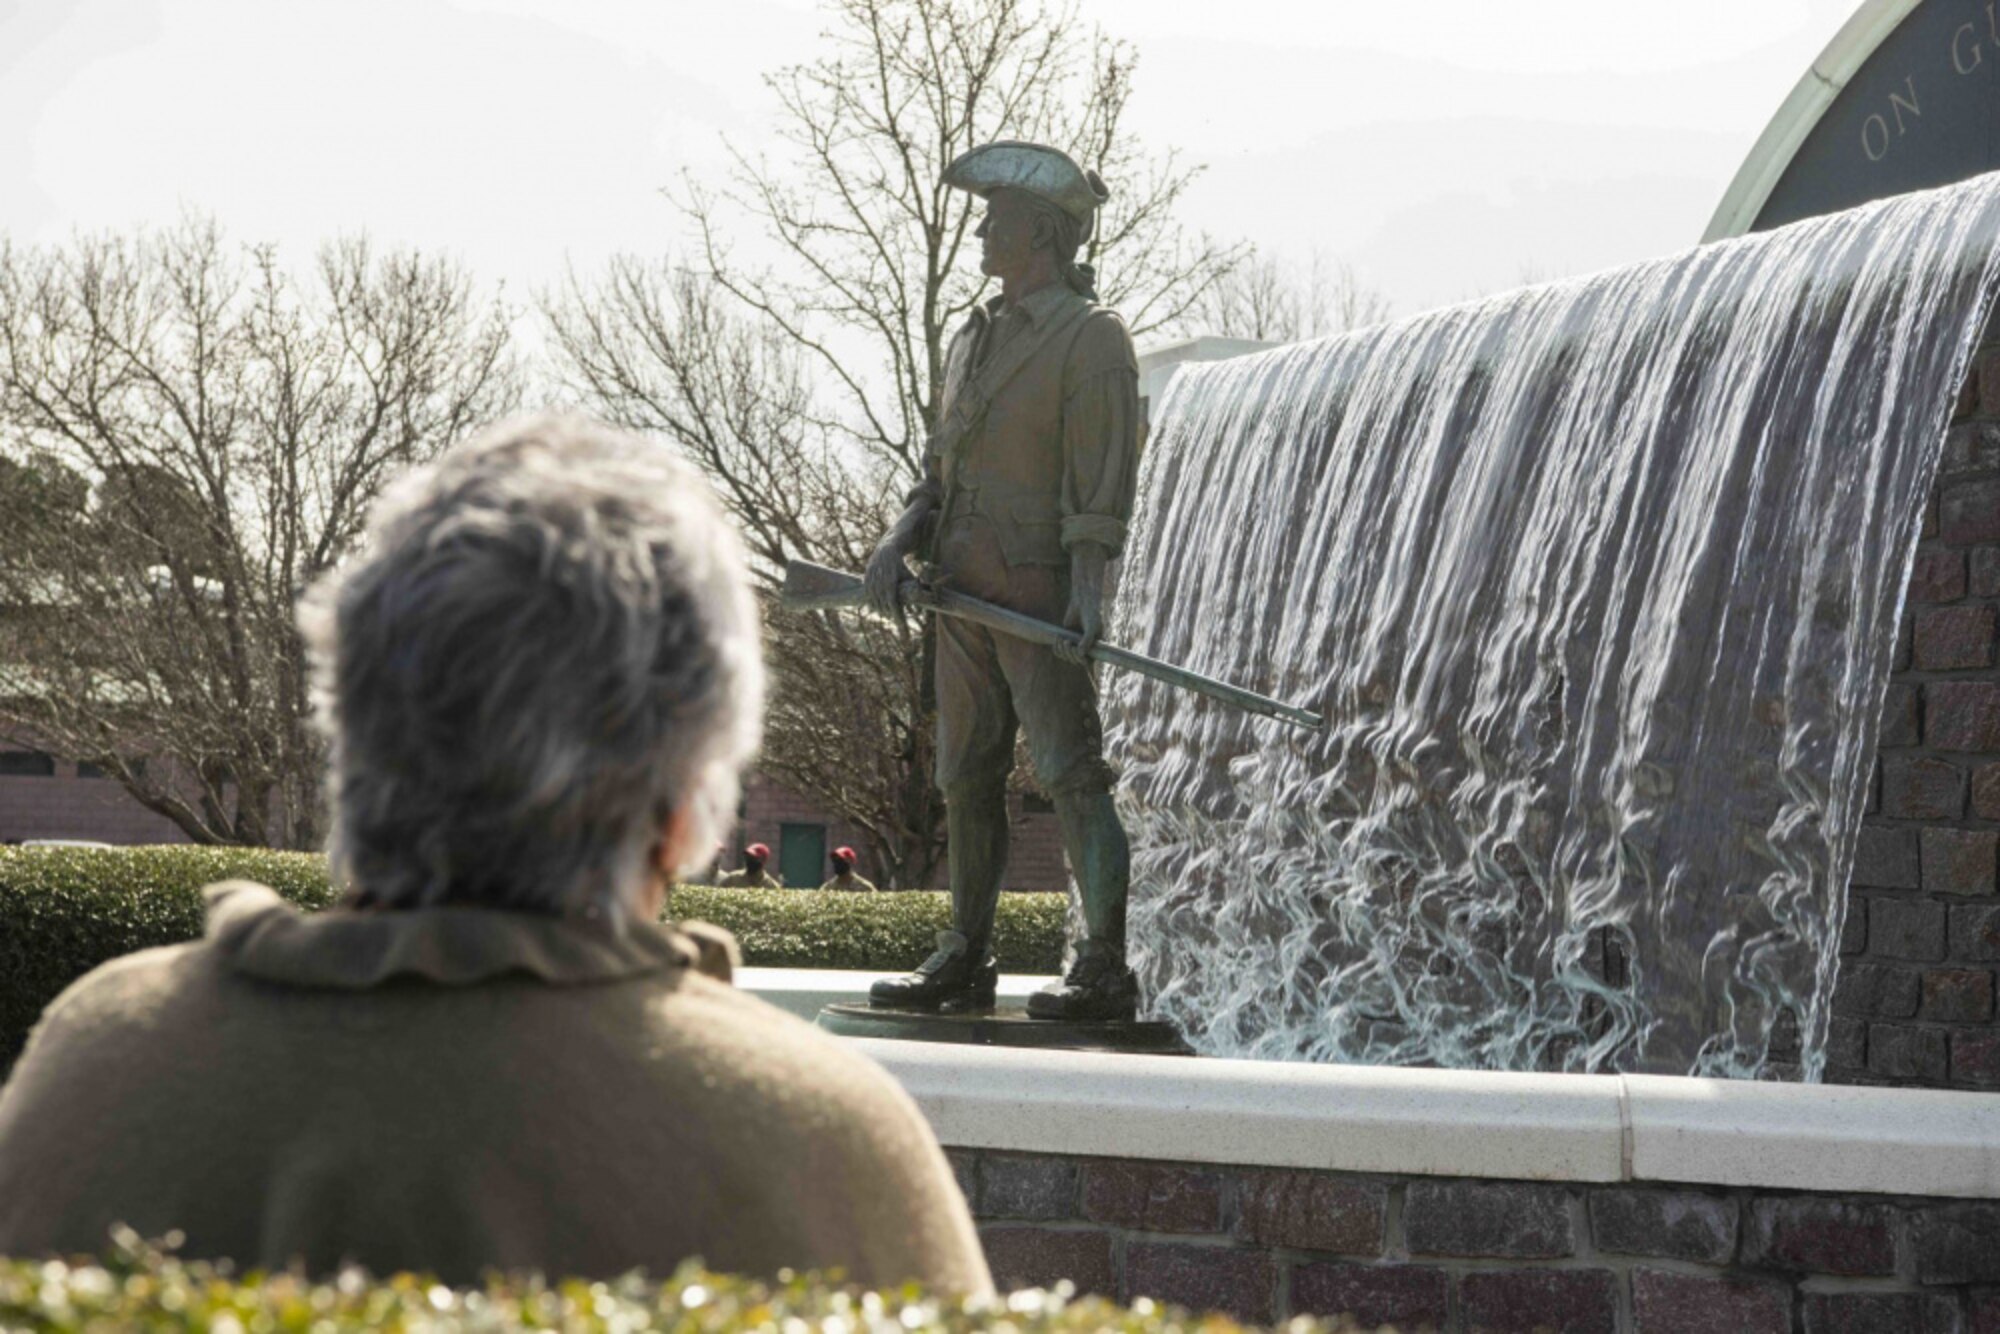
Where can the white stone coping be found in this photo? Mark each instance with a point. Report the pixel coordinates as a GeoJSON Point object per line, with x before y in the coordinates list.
{"type": "Point", "coordinates": [1354, 1118]}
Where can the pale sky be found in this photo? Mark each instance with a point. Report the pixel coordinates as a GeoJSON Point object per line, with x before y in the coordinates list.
{"type": "Point", "coordinates": [1445, 149]}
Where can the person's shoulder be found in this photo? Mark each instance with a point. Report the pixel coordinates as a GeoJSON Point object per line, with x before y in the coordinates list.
{"type": "Point", "coordinates": [1103, 343]}
{"type": "Point", "coordinates": [722, 1028]}
{"type": "Point", "coordinates": [131, 1004]}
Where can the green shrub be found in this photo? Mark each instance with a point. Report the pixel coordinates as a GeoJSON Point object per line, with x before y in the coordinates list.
{"type": "Point", "coordinates": [138, 1288]}
{"type": "Point", "coordinates": [784, 928]}
{"type": "Point", "coordinates": [64, 911]}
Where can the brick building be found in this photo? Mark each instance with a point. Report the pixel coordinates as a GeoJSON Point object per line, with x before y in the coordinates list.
{"type": "Point", "coordinates": [42, 797]}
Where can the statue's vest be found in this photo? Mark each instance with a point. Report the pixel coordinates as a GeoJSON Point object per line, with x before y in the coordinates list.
{"type": "Point", "coordinates": [998, 445]}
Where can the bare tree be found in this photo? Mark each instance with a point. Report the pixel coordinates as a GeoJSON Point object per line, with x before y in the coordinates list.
{"type": "Point", "coordinates": [194, 435]}
{"type": "Point", "coordinates": [1278, 301]}
{"type": "Point", "coordinates": [797, 350]}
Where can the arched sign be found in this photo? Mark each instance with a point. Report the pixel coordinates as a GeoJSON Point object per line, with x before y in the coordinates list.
{"type": "Point", "coordinates": [1906, 97]}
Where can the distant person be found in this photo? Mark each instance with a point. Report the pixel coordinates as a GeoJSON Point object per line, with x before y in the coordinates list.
{"type": "Point", "coordinates": [752, 874]}
{"type": "Point", "coordinates": [845, 877]}
{"type": "Point", "coordinates": [541, 679]}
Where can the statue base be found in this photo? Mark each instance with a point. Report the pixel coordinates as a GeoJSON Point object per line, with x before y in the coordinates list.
{"type": "Point", "coordinates": [1005, 1025]}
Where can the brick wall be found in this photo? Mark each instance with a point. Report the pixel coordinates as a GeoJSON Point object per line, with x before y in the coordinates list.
{"type": "Point", "coordinates": [67, 806]}
{"type": "Point", "coordinates": [1426, 1253]}
{"type": "Point", "coordinates": [1915, 999]}
{"type": "Point", "coordinates": [99, 810]}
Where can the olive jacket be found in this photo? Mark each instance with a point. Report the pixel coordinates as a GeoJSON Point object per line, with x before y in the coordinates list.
{"type": "Point", "coordinates": [458, 1089]}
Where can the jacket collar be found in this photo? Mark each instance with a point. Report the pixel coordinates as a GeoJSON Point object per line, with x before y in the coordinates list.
{"type": "Point", "coordinates": [1039, 304]}
{"type": "Point", "coordinates": [260, 935]}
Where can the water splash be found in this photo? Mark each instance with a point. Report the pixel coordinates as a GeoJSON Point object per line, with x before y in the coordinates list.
{"type": "Point", "coordinates": [1597, 585]}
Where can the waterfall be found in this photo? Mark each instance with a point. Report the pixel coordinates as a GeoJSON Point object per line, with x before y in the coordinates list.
{"type": "Point", "coordinates": [1597, 585]}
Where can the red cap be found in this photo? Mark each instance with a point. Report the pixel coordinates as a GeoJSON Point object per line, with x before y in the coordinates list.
{"type": "Point", "coordinates": [844, 854]}
{"type": "Point", "coordinates": [758, 850]}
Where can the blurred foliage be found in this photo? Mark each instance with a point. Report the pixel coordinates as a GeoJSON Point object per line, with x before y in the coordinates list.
{"type": "Point", "coordinates": [141, 1287]}
{"type": "Point", "coordinates": [64, 911]}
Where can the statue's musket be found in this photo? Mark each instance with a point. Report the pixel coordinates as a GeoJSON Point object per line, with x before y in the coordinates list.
{"type": "Point", "coordinates": [812, 587]}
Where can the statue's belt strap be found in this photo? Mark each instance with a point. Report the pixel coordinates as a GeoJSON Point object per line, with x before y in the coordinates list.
{"type": "Point", "coordinates": [969, 405]}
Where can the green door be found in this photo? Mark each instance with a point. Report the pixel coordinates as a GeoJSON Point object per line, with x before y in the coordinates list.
{"type": "Point", "coordinates": [802, 855]}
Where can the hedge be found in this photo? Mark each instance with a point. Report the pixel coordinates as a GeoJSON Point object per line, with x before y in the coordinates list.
{"type": "Point", "coordinates": [63, 911]}
{"type": "Point", "coordinates": [138, 1287]}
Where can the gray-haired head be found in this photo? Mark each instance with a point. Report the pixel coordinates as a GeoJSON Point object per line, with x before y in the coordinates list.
{"type": "Point", "coordinates": [545, 649]}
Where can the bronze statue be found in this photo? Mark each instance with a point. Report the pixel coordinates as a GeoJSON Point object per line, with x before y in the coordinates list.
{"type": "Point", "coordinates": [1028, 485]}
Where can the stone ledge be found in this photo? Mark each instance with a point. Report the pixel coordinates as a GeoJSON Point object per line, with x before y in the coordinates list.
{"type": "Point", "coordinates": [1496, 1125]}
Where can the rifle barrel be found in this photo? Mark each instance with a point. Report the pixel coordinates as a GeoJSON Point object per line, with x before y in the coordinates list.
{"type": "Point", "coordinates": [815, 587]}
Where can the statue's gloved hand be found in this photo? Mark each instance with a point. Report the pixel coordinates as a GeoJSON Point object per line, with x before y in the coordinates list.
{"type": "Point", "coordinates": [1086, 607]}
{"type": "Point", "coordinates": [882, 581]}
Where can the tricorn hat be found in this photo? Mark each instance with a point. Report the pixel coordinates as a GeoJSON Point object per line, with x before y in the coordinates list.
{"type": "Point", "coordinates": [1040, 170]}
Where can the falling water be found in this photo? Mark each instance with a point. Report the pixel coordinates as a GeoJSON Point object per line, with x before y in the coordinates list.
{"type": "Point", "coordinates": [1597, 585]}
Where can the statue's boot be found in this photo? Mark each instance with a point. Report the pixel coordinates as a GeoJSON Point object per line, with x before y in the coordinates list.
{"type": "Point", "coordinates": [954, 978]}
{"type": "Point", "coordinates": [1098, 985]}
{"type": "Point", "coordinates": [962, 974]}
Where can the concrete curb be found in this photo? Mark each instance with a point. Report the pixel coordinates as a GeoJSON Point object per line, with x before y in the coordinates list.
{"type": "Point", "coordinates": [1465, 1123]}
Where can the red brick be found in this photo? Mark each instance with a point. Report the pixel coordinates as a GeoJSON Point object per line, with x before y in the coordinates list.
{"type": "Point", "coordinates": [1986, 792]}
{"type": "Point", "coordinates": [1899, 716]}
{"type": "Point", "coordinates": [1906, 929]}
{"type": "Point", "coordinates": [1957, 1243]}
{"type": "Point", "coordinates": [1558, 1301]}
{"type": "Point", "coordinates": [1665, 1303]}
{"type": "Point", "coordinates": [1984, 572]}
{"type": "Point", "coordinates": [1974, 447]}
{"type": "Point", "coordinates": [1152, 1197]}
{"type": "Point", "coordinates": [1869, 990]}
{"type": "Point", "coordinates": [1202, 1278]}
{"type": "Point", "coordinates": [1983, 1314]}
{"type": "Point", "coordinates": [1669, 1224]}
{"type": "Point", "coordinates": [1027, 1186]}
{"type": "Point", "coordinates": [1962, 715]}
{"type": "Point", "coordinates": [1847, 1044]}
{"type": "Point", "coordinates": [1817, 1235]}
{"type": "Point", "coordinates": [1960, 861]}
{"type": "Point", "coordinates": [1908, 1054]}
{"type": "Point", "coordinates": [1958, 996]}
{"type": "Point", "coordinates": [1922, 787]}
{"type": "Point", "coordinates": [1406, 1297]}
{"type": "Point", "coordinates": [1954, 638]}
{"type": "Point", "coordinates": [1975, 1058]}
{"type": "Point", "coordinates": [1312, 1212]}
{"type": "Point", "coordinates": [1905, 634]}
{"type": "Point", "coordinates": [1880, 1313]}
{"type": "Point", "coordinates": [1885, 857]}
{"type": "Point", "coordinates": [1986, 371]}
{"type": "Point", "coordinates": [1501, 1219]}
{"type": "Point", "coordinates": [1969, 512]}
{"type": "Point", "coordinates": [1040, 1257]}
{"type": "Point", "coordinates": [1937, 576]}
{"type": "Point", "coordinates": [1975, 933]}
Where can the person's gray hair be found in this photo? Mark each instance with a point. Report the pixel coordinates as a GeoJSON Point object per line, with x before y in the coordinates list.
{"type": "Point", "coordinates": [544, 648]}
